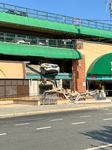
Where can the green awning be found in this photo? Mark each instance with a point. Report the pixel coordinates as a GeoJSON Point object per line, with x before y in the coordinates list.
{"type": "Point", "coordinates": [101, 66]}
{"type": "Point", "coordinates": [41, 51]}
{"type": "Point", "coordinates": [31, 22]}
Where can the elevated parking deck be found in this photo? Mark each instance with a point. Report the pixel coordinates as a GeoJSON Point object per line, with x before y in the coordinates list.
{"type": "Point", "coordinates": [24, 17]}
{"type": "Point", "coordinates": [33, 40]}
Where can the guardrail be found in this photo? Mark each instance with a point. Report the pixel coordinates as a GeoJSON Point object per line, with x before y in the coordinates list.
{"type": "Point", "coordinates": [32, 40]}
{"type": "Point", "coordinates": [32, 13]}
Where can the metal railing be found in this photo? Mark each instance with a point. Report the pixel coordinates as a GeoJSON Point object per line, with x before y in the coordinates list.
{"type": "Point", "coordinates": [49, 99]}
{"type": "Point", "coordinates": [32, 13]}
{"type": "Point", "coordinates": [32, 40]}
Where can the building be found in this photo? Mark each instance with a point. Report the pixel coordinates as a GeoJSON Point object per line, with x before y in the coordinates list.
{"type": "Point", "coordinates": [29, 37]}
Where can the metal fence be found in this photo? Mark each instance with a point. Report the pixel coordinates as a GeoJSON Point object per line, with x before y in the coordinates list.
{"type": "Point", "coordinates": [32, 13]}
{"type": "Point", "coordinates": [32, 40]}
{"type": "Point", "coordinates": [49, 99]}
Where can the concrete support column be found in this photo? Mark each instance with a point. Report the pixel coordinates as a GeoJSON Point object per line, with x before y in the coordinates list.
{"type": "Point", "coordinates": [79, 77]}
{"type": "Point", "coordinates": [74, 74]}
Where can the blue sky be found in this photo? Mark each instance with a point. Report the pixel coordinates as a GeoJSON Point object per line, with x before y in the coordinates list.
{"type": "Point", "coordinates": [84, 9]}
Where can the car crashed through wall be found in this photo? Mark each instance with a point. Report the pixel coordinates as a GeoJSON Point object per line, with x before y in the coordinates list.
{"type": "Point", "coordinates": [47, 68]}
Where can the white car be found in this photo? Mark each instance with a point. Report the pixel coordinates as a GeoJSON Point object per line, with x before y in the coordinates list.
{"type": "Point", "coordinates": [47, 68]}
{"type": "Point", "coordinates": [23, 41]}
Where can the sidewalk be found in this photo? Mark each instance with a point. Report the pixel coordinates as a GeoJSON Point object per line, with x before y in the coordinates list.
{"type": "Point", "coordinates": [11, 110]}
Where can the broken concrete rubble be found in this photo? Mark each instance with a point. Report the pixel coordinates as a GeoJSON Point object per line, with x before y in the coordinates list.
{"type": "Point", "coordinates": [82, 96]}
{"type": "Point", "coordinates": [59, 96]}
{"type": "Point", "coordinates": [57, 93]}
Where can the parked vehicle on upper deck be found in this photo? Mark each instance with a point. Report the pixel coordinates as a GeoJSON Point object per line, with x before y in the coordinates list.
{"type": "Point", "coordinates": [22, 41]}
{"type": "Point", "coordinates": [17, 12]}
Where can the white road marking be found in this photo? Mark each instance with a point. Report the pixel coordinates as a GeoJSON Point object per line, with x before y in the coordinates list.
{"type": "Point", "coordinates": [103, 146]}
{"type": "Point", "coordinates": [2, 134]}
{"type": "Point", "coordinates": [105, 109]}
{"type": "Point", "coordinates": [78, 122]}
{"type": "Point", "coordinates": [21, 124]}
{"type": "Point", "coordinates": [57, 119]}
{"type": "Point", "coordinates": [85, 116]}
{"type": "Point", "coordinates": [109, 113]}
{"type": "Point", "coordinates": [108, 119]}
{"type": "Point", "coordinates": [42, 128]}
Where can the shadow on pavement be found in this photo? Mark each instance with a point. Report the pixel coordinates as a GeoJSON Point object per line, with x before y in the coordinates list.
{"type": "Point", "coordinates": [104, 135]}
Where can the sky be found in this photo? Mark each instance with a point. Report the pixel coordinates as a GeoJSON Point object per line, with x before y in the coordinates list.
{"type": "Point", "coordinates": [84, 9]}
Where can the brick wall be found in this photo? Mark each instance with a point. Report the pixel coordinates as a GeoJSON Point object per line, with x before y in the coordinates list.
{"type": "Point", "coordinates": [79, 77]}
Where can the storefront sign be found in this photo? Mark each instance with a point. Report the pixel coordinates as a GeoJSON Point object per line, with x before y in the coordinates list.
{"type": "Point", "coordinates": [106, 77]}
{"type": "Point", "coordinates": [97, 77]}
{"type": "Point", "coordinates": [93, 77]}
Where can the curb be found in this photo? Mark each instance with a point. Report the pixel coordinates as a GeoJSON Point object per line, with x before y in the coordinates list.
{"type": "Point", "coordinates": [6, 102]}
{"type": "Point", "coordinates": [1, 107]}
{"type": "Point", "coordinates": [52, 111]}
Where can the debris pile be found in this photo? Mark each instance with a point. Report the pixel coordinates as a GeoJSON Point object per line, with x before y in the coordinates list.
{"type": "Point", "coordinates": [51, 96]}
{"type": "Point", "coordinates": [101, 95]}
{"type": "Point", "coordinates": [82, 96]}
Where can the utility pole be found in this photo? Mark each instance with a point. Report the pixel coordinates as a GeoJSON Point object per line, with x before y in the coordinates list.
{"type": "Point", "coordinates": [110, 7]}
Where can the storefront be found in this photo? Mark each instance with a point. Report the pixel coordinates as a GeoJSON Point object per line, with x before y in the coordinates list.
{"type": "Point", "coordinates": [99, 75]}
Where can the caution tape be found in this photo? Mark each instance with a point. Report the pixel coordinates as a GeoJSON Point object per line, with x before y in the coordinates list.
{"type": "Point", "coordinates": [13, 98]}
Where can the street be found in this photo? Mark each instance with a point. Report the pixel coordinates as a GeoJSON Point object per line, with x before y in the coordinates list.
{"type": "Point", "coordinates": [73, 130]}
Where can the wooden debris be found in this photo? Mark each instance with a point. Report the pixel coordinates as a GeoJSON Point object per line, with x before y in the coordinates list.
{"type": "Point", "coordinates": [81, 96]}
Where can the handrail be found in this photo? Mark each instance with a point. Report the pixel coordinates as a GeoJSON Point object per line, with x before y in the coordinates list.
{"type": "Point", "coordinates": [32, 13]}
{"type": "Point", "coordinates": [33, 40]}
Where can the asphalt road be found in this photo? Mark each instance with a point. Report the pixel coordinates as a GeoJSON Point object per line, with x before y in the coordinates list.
{"type": "Point", "coordinates": [76, 130]}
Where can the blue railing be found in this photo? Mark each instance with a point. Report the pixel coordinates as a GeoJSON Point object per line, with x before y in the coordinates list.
{"type": "Point", "coordinates": [32, 13]}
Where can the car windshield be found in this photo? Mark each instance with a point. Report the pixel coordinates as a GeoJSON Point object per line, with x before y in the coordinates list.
{"type": "Point", "coordinates": [54, 66]}
{"type": "Point", "coordinates": [51, 65]}
{"type": "Point", "coordinates": [48, 65]}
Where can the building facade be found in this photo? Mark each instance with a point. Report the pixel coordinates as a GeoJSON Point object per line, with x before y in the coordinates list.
{"type": "Point", "coordinates": [30, 37]}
